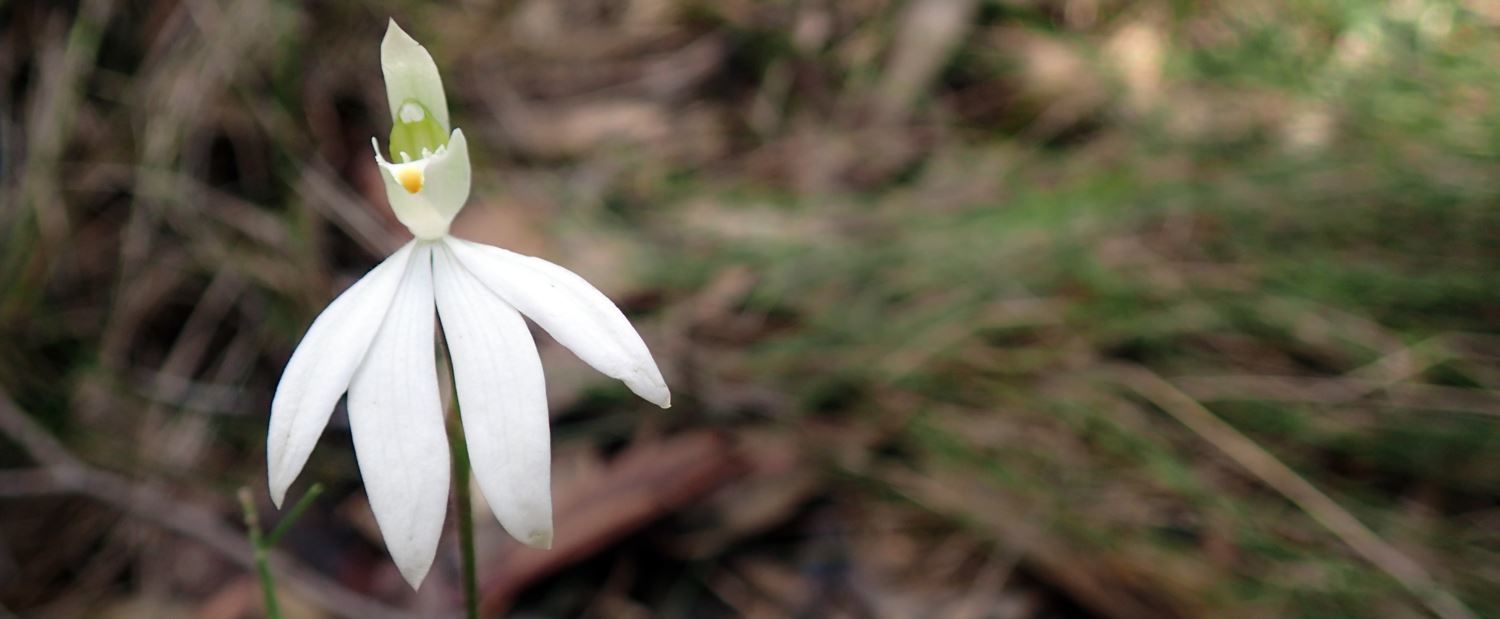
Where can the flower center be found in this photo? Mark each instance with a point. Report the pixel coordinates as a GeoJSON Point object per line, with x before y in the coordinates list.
{"type": "Point", "coordinates": [410, 178]}
{"type": "Point", "coordinates": [411, 175]}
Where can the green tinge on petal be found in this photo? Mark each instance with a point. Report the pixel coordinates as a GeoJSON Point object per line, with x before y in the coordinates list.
{"type": "Point", "coordinates": [411, 75]}
{"type": "Point", "coordinates": [415, 132]}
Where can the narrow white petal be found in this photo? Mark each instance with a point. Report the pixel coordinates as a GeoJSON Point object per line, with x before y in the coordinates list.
{"type": "Point", "coordinates": [397, 421]}
{"type": "Point", "coordinates": [576, 314]}
{"type": "Point", "coordinates": [410, 74]}
{"type": "Point", "coordinates": [322, 366]}
{"type": "Point", "coordinates": [503, 399]}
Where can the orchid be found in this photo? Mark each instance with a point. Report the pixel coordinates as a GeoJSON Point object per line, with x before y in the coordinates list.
{"type": "Point", "coordinates": [376, 341]}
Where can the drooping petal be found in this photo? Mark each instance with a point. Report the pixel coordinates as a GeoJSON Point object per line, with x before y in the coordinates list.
{"type": "Point", "coordinates": [322, 367]}
{"type": "Point", "coordinates": [442, 181]}
{"type": "Point", "coordinates": [397, 420]}
{"type": "Point", "coordinates": [411, 75]}
{"type": "Point", "coordinates": [576, 314]}
{"type": "Point", "coordinates": [503, 400]}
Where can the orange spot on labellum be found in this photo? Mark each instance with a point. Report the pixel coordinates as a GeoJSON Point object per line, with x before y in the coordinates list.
{"type": "Point", "coordinates": [411, 179]}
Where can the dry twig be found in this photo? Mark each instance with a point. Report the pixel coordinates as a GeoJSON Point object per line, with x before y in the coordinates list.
{"type": "Point", "coordinates": [1334, 391]}
{"type": "Point", "coordinates": [62, 472]}
{"type": "Point", "coordinates": [642, 484]}
{"type": "Point", "coordinates": [1281, 478]}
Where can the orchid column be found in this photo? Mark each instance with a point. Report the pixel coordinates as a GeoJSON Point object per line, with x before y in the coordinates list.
{"type": "Point", "coordinates": [376, 342]}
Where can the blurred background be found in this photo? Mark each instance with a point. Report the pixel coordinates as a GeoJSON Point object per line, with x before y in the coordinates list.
{"type": "Point", "coordinates": [970, 308]}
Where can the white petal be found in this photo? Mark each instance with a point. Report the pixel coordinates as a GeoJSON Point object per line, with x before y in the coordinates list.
{"type": "Point", "coordinates": [573, 311]}
{"type": "Point", "coordinates": [322, 366]}
{"type": "Point", "coordinates": [503, 399]}
{"type": "Point", "coordinates": [397, 421]}
{"type": "Point", "coordinates": [445, 188]}
{"type": "Point", "coordinates": [410, 74]}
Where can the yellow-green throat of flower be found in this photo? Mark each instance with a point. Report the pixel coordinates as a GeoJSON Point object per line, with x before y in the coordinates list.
{"type": "Point", "coordinates": [415, 134]}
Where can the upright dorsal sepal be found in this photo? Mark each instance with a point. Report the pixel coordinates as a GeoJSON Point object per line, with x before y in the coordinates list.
{"type": "Point", "coordinates": [414, 90]}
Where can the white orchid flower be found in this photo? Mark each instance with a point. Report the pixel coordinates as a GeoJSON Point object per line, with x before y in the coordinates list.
{"type": "Point", "coordinates": [376, 341]}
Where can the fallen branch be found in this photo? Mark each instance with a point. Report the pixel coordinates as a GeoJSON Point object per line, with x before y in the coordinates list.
{"type": "Point", "coordinates": [1338, 391]}
{"type": "Point", "coordinates": [1281, 478]}
{"type": "Point", "coordinates": [643, 484]}
{"type": "Point", "coordinates": [62, 472]}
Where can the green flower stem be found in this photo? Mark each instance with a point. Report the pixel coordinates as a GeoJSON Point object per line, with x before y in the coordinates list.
{"type": "Point", "coordinates": [465, 511]}
{"type": "Point", "coordinates": [292, 515]}
{"type": "Point", "coordinates": [259, 550]}
{"type": "Point", "coordinates": [261, 544]}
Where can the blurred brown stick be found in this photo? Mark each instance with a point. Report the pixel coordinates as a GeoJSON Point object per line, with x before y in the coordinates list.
{"type": "Point", "coordinates": [931, 31]}
{"type": "Point", "coordinates": [62, 472]}
{"type": "Point", "coordinates": [1333, 391]}
{"type": "Point", "coordinates": [1381, 383]}
{"type": "Point", "coordinates": [1095, 584]}
{"type": "Point", "coordinates": [1281, 478]}
{"type": "Point", "coordinates": [646, 482]}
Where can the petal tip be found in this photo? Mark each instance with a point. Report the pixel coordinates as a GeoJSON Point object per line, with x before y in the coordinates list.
{"type": "Point", "coordinates": [413, 574]}
{"type": "Point", "coordinates": [540, 539]}
{"type": "Point", "coordinates": [651, 391]}
{"type": "Point", "coordinates": [458, 147]}
{"type": "Point", "coordinates": [394, 35]}
{"type": "Point", "coordinates": [276, 481]}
